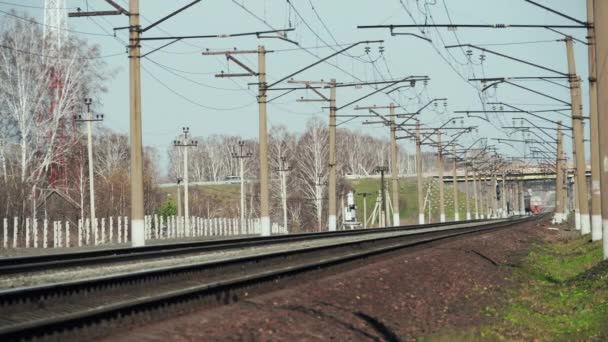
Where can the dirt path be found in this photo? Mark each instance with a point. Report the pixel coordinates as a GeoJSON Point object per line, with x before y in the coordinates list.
{"type": "Point", "coordinates": [407, 296]}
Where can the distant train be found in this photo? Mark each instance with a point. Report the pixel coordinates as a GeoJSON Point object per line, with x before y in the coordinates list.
{"type": "Point", "coordinates": [533, 204]}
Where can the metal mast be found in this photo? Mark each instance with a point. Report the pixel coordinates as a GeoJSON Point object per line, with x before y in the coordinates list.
{"type": "Point", "coordinates": [55, 25]}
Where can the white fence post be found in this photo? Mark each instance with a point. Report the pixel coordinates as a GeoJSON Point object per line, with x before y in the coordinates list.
{"type": "Point", "coordinates": [35, 232]}
{"type": "Point", "coordinates": [119, 229]}
{"type": "Point", "coordinates": [80, 232]}
{"type": "Point", "coordinates": [127, 235]}
{"type": "Point", "coordinates": [103, 230]}
{"type": "Point", "coordinates": [156, 230]}
{"type": "Point", "coordinates": [111, 238]}
{"type": "Point", "coordinates": [5, 234]}
{"type": "Point", "coordinates": [54, 235]}
{"type": "Point", "coordinates": [27, 232]}
{"type": "Point", "coordinates": [15, 224]}
{"type": "Point", "coordinates": [45, 237]}
{"type": "Point", "coordinates": [60, 234]}
{"type": "Point", "coordinates": [67, 234]}
{"type": "Point", "coordinates": [161, 228]}
{"type": "Point", "coordinates": [87, 231]}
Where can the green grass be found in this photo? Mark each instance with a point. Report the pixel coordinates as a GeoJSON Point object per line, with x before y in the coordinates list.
{"type": "Point", "coordinates": [408, 199]}
{"type": "Point", "coordinates": [562, 296]}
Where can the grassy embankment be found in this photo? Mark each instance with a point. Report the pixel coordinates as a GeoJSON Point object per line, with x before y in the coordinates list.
{"type": "Point", "coordinates": [228, 193]}
{"type": "Point", "coordinates": [562, 295]}
{"type": "Point", "coordinates": [408, 199]}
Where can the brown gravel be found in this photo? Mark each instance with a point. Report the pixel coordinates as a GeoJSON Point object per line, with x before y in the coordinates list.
{"type": "Point", "coordinates": [409, 295]}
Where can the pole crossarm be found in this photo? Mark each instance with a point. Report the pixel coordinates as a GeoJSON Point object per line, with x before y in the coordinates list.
{"type": "Point", "coordinates": [563, 15]}
{"type": "Point", "coordinates": [323, 60]}
{"type": "Point", "coordinates": [119, 10]}
{"type": "Point", "coordinates": [455, 26]}
{"type": "Point", "coordinates": [525, 88]}
{"type": "Point", "coordinates": [508, 57]}
{"type": "Point", "coordinates": [224, 35]}
{"type": "Point", "coordinates": [530, 113]}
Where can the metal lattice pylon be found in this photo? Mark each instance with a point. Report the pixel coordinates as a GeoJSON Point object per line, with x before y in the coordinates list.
{"type": "Point", "coordinates": [55, 25]}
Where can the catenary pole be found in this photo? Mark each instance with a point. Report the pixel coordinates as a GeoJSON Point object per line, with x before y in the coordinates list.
{"type": "Point", "coordinates": [440, 165]}
{"type": "Point", "coordinates": [596, 195]}
{"type": "Point", "coordinates": [455, 184]}
{"type": "Point", "coordinates": [264, 176]}
{"type": "Point", "coordinates": [394, 167]}
{"type": "Point", "coordinates": [559, 181]}
{"type": "Point", "coordinates": [601, 55]}
{"type": "Point", "coordinates": [475, 197]}
{"type": "Point", "coordinates": [578, 136]}
{"type": "Point", "coordinates": [419, 175]}
{"type": "Point", "coordinates": [331, 206]}
{"type": "Point", "coordinates": [137, 166]}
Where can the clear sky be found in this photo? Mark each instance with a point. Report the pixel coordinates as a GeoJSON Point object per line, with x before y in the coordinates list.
{"type": "Point", "coordinates": [179, 87]}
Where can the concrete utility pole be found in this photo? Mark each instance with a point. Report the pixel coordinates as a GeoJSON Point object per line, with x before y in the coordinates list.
{"type": "Point", "coordinates": [179, 196]}
{"type": "Point", "coordinates": [364, 194]}
{"type": "Point", "coordinates": [241, 156]}
{"type": "Point", "coordinates": [134, 48]}
{"type": "Point", "coordinates": [466, 190]}
{"type": "Point", "coordinates": [494, 194]}
{"type": "Point", "coordinates": [522, 199]}
{"type": "Point", "coordinates": [382, 170]}
{"type": "Point", "coordinates": [283, 169]}
{"type": "Point", "coordinates": [455, 182]}
{"type": "Point", "coordinates": [89, 120]}
{"type": "Point", "coordinates": [504, 196]}
{"type": "Point", "coordinates": [475, 197]}
{"type": "Point", "coordinates": [138, 234]}
{"type": "Point", "coordinates": [264, 176]}
{"type": "Point", "coordinates": [596, 195]}
{"type": "Point", "coordinates": [440, 165]}
{"type": "Point", "coordinates": [601, 53]}
{"type": "Point", "coordinates": [559, 178]}
{"type": "Point", "coordinates": [185, 143]}
{"type": "Point", "coordinates": [394, 167]}
{"type": "Point", "coordinates": [331, 205]}
{"type": "Point", "coordinates": [578, 136]}
{"type": "Point", "coordinates": [419, 174]}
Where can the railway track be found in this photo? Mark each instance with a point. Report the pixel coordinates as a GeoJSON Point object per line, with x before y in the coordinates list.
{"type": "Point", "coordinates": [48, 262]}
{"type": "Point", "coordinates": [88, 307]}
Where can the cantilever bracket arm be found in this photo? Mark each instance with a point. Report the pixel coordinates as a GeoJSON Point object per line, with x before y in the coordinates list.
{"type": "Point", "coordinates": [322, 60]}
{"type": "Point", "coordinates": [508, 57]}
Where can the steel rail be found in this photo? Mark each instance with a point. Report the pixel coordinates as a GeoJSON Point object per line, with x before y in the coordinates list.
{"type": "Point", "coordinates": [59, 309]}
{"type": "Point", "coordinates": [47, 262]}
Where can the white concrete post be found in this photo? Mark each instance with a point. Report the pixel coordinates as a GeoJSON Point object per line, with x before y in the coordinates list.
{"type": "Point", "coordinates": [79, 232]}
{"type": "Point", "coordinates": [15, 225]}
{"type": "Point", "coordinates": [60, 231]}
{"type": "Point", "coordinates": [27, 232]}
{"type": "Point", "coordinates": [111, 228]}
{"type": "Point", "coordinates": [5, 234]}
{"type": "Point", "coordinates": [54, 234]}
{"type": "Point", "coordinates": [67, 234]}
{"type": "Point", "coordinates": [45, 238]}
{"type": "Point", "coordinates": [126, 221]}
{"type": "Point", "coordinates": [94, 224]}
{"type": "Point", "coordinates": [119, 229]}
{"type": "Point", "coordinates": [161, 228]}
{"type": "Point", "coordinates": [103, 230]}
{"type": "Point", "coordinates": [87, 231]}
{"type": "Point", "coordinates": [35, 227]}
{"type": "Point", "coordinates": [156, 228]}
